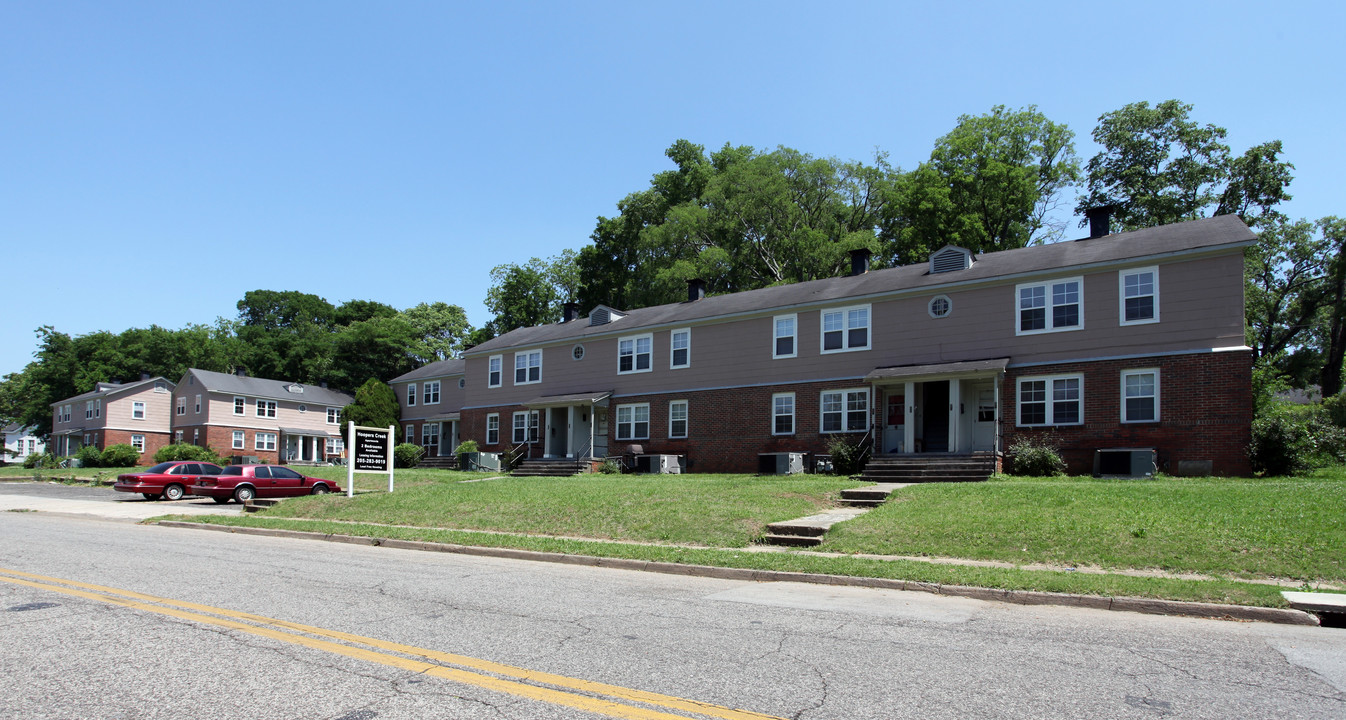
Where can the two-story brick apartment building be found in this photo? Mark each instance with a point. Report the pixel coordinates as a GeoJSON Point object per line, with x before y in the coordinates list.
{"type": "Point", "coordinates": [430, 397]}
{"type": "Point", "coordinates": [274, 420]}
{"type": "Point", "coordinates": [1121, 340]}
{"type": "Point", "coordinates": [113, 413]}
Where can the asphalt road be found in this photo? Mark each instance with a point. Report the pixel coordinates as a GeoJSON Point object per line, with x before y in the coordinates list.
{"type": "Point", "coordinates": [605, 637]}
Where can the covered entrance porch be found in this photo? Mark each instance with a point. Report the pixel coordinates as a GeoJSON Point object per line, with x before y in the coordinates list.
{"type": "Point", "coordinates": [305, 447]}
{"type": "Point", "coordinates": [947, 408]}
{"type": "Point", "coordinates": [572, 426]}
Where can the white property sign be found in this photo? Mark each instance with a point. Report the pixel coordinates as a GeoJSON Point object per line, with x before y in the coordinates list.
{"type": "Point", "coordinates": [370, 450]}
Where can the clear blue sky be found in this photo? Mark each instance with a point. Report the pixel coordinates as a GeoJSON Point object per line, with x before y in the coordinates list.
{"type": "Point", "coordinates": [159, 160]}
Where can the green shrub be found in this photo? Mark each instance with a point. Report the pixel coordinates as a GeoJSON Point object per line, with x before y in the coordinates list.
{"type": "Point", "coordinates": [847, 457]}
{"type": "Point", "coordinates": [465, 446]}
{"type": "Point", "coordinates": [41, 461]}
{"type": "Point", "coordinates": [1335, 407]}
{"type": "Point", "coordinates": [611, 466]}
{"type": "Point", "coordinates": [1036, 457]}
{"type": "Point", "coordinates": [407, 455]}
{"type": "Point", "coordinates": [183, 451]}
{"type": "Point", "coordinates": [1290, 440]}
{"type": "Point", "coordinates": [89, 456]}
{"type": "Point", "coordinates": [120, 456]}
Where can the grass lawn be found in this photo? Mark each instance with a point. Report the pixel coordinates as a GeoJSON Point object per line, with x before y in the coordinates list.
{"type": "Point", "coordinates": [1240, 527]}
{"type": "Point", "coordinates": [64, 474]}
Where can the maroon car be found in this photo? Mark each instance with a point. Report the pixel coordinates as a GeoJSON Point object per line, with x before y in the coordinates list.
{"type": "Point", "coordinates": [169, 480]}
{"type": "Point", "coordinates": [245, 482]}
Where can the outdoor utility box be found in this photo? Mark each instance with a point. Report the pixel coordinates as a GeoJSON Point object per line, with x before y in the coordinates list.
{"type": "Point", "coordinates": [479, 461]}
{"type": "Point", "coordinates": [1125, 462]}
{"type": "Point", "coordinates": [782, 463]}
{"type": "Point", "coordinates": [661, 464]}
{"type": "Point", "coordinates": [244, 460]}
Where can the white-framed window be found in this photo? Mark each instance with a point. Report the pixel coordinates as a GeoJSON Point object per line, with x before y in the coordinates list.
{"type": "Point", "coordinates": [528, 367]}
{"type": "Point", "coordinates": [177, 436]}
{"type": "Point", "coordinates": [264, 441]}
{"type": "Point", "coordinates": [410, 433]}
{"type": "Point", "coordinates": [1140, 395]}
{"type": "Point", "coordinates": [266, 408]}
{"type": "Point", "coordinates": [239, 404]}
{"type": "Point", "coordinates": [939, 306]}
{"type": "Point", "coordinates": [182, 406]}
{"type": "Point", "coordinates": [1139, 295]}
{"type": "Point", "coordinates": [196, 436]}
{"type": "Point", "coordinates": [1050, 306]}
{"type": "Point", "coordinates": [333, 416]}
{"type": "Point", "coordinates": [1054, 400]}
{"type": "Point", "coordinates": [88, 410]}
{"type": "Point", "coordinates": [845, 329]}
{"type": "Point", "coordinates": [98, 408]}
{"type": "Point", "coordinates": [680, 348]}
{"type": "Point", "coordinates": [526, 426]}
{"type": "Point", "coordinates": [783, 336]}
{"type": "Point", "coordinates": [783, 414]}
{"type": "Point", "coordinates": [633, 422]}
{"type": "Point", "coordinates": [198, 404]}
{"type": "Point", "coordinates": [677, 419]}
{"type": "Point", "coordinates": [335, 445]}
{"type": "Point", "coordinates": [138, 442]}
{"type": "Point", "coordinates": [411, 395]}
{"type": "Point", "coordinates": [495, 367]}
{"type": "Point", "coordinates": [492, 429]}
{"type": "Point", "coordinates": [239, 440]}
{"type": "Point", "coordinates": [633, 354]}
{"type": "Point", "coordinates": [430, 437]}
{"type": "Point", "coordinates": [137, 410]}
{"type": "Point", "coordinates": [431, 394]}
{"type": "Point", "coordinates": [844, 410]}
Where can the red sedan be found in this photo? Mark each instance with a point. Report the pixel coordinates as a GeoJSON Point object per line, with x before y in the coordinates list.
{"type": "Point", "coordinates": [169, 480]}
{"type": "Point", "coordinates": [245, 482]}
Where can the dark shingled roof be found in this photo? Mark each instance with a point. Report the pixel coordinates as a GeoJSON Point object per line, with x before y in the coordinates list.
{"type": "Point", "coordinates": [272, 389]}
{"type": "Point", "coordinates": [1225, 231]}
{"type": "Point", "coordinates": [105, 389]}
{"type": "Point", "coordinates": [443, 368]}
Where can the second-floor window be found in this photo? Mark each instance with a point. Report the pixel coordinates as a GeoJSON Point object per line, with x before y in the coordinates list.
{"type": "Point", "coordinates": [845, 329]}
{"type": "Point", "coordinates": [431, 395]}
{"type": "Point", "coordinates": [494, 369]}
{"type": "Point", "coordinates": [88, 410]}
{"type": "Point", "coordinates": [680, 353]}
{"type": "Point", "coordinates": [633, 353]}
{"type": "Point", "coordinates": [333, 416]}
{"type": "Point", "coordinates": [1050, 306]}
{"type": "Point", "coordinates": [198, 404]}
{"type": "Point", "coordinates": [411, 394]}
{"type": "Point", "coordinates": [137, 410]}
{"type": "Point", "coordinates": [239, 404]}
{"type": "Point", "coordinates": [266, 408]}
{"type": "Point", "coordinates": [182, 406]}
{"type": "Point", "coordinates": [1139, 296]}
{"type": "Point", "coordinates": [783, 337]}
{"type": "Point", "coordinates": [528, 367]}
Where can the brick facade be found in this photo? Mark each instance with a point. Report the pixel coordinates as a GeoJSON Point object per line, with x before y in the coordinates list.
{"type": "Point", "coordinates": [153, 441]}
{"type": "Point", "coordinates": [1205, 411]}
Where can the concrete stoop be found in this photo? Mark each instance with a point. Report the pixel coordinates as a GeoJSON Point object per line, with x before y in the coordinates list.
{"type": "Point", "coordinates": [256, 504]}
{"type": "Point", "coordinates": [809, 531]}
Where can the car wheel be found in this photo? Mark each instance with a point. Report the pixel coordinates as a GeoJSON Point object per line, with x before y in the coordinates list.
{"type": "Point", "coordinates": [174, 492]}
{"type": "Point", "coordinates": [244, 494]}
{"type": "Point", "coordinates": [149, 496]}
{"type": "Point", "coordinates": [320, 489]}
{"type": "Point", "coordinates": [220, 500]}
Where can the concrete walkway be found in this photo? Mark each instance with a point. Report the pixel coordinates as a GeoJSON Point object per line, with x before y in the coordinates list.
{"type": "Point", "coordinates": [128, 510]}
{"type": "Point", "coordinates": [809, 531]}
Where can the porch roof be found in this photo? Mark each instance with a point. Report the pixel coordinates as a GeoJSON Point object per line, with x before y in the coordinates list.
{"type": "Point", "coordinates": [571, 399]}
{"type": "Point", "coordinates": [908, 372]}
{"type": "Point", "coordinates": [304, 431]}
{"type": "Point", "coordinates": [443, 417]}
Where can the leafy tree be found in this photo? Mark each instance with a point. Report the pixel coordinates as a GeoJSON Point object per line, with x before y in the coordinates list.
{"type": "Point", "coordinates": [353, 311]}
{"type": "Point", "coordinates": [288, 334]}
{"type": "Point", "coordinates": [1333, 231]}
{"type": "Point", "coordinates": [380, 347]}
{"type": "Point", "coordinates": [1158, 166]}
{"type": "Point", "coordinates": [439, 329]}
{"type": "Point", "coordinates": [375, 406]}
{"type": "Point", "coordinates": [526, 295]}
{"type": "Point", "coordinates": [1284, 274]}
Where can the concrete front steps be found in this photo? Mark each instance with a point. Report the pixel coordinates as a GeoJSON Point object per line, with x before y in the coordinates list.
{"type": "Point", "coordinates": [930, 467]}
{"type": "Point", "coordinates": [548, 467]}
{"type": "Point", "coordinates": [870, 496]}
{"type": "Point", "coordinates": [256, 504]}
{"type": "Point", "coordinates": [441, 463]}
{"type": "Point", "coordinates": [808, 531]}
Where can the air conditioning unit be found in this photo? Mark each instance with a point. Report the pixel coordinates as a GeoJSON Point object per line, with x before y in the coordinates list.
{"type": "Point", "coordinates": [1125, 462]}
{"type": "Point", "coordinates": [661, 464]}
{"type": "Point", "coordinates": [781, 463]}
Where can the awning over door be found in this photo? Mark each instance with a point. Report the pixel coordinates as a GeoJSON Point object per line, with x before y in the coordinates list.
{"type": "Point", "coordinates": [585, 398]}
{"type": "Point", "coordinates": [446, 417]}
{"type": "Point", "coordinates": [938, 370]}
{"type": "Point", "coordinates": [309, 433]}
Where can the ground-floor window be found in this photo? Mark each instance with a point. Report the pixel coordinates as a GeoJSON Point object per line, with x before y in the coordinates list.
{"type": "Point", "coordinates": [633, 422]}
{"type": "Point", "coordinates": [264, 441]}
{"type": "Point", "coordinates": [526, 426]}
{"type": "Point", "coordinates": [492, 429]}
{"type": "Point", "coordinates": [677, 419]}
{"type": "Point", "coordinates": [239, 442]}
{"type": "Point", "coordinates": [845, 410]}
{"type": "Point", "coordinates": [1140, 395]}
{"type": "Point", "coordinates": [783, 414]}
{"type": "Point", "coordinates": [335, 446]}
{"type": "Point", "coordinates": [430, 436]}
{"type": "Point", "coordinates": [1051, 400]}
{"type": "Point", "coordinates": [138, 442]}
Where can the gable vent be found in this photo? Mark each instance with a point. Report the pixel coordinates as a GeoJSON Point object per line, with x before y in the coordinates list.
{"type": "Point", "coordinates": [600, 316]}
{"type": "Point", "coordinates": [950, 259]}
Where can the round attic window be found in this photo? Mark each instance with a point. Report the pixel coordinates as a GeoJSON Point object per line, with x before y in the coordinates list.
{"type": "Point", "coordinates": [940, 306]}
{"type": "Point", "coordinates": [577, 352]}
{"type": "Point", "coordinates": [303, 408]}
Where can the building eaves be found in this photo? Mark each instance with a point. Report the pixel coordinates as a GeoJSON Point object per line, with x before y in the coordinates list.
{"type": "Point", "coordinates": [270, 389]}
{"type": "Point", "coordinates": [441, 368]}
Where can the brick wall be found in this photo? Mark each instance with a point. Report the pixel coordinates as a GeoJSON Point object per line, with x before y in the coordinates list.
{"type": "Point", "coordinates": [1205, 411]}
{"type": "Point", "coordinates": [153, 441]}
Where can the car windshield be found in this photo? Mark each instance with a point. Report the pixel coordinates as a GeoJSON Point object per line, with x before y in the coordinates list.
{"type": "Point", "coordinates": [161, 467]}
{"type": "Point", "coordinates": [232, 470]}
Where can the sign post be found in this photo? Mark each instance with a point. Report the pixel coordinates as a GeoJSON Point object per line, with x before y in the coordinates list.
{"type": "Point", "coordinates": [370, 451]}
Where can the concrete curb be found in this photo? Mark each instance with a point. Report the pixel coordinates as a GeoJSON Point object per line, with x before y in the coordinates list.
{"type": "Point", "coordinates": [1019, 597]}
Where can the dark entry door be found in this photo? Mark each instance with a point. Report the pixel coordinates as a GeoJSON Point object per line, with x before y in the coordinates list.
{"type": "Point", "coordinates": [935, 426]}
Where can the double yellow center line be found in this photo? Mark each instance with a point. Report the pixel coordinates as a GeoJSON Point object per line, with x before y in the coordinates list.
{"type": "Point", "coordinates": [593, 697]}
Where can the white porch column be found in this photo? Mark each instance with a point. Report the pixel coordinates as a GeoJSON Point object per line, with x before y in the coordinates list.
{"type": "Point", "coordinates": [999, 417]}
{"type": "Point", "coordinates": [955, 417]}
{"type": "Point", "coordinates": [909, 427]}
{"type": "Point", "coordinates": [571, 451]}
